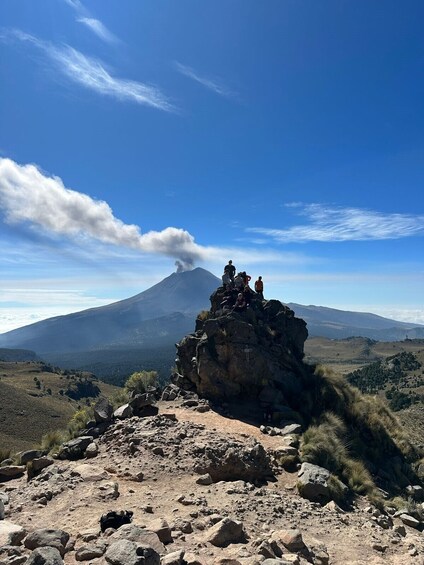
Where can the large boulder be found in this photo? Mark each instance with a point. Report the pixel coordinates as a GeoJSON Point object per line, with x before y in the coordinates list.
{"type": "Point", "coordinates": [236, 355]}
{"type": "Point", "coordinates": [45, 556]}
{"type": "Point", "coordinates": [75, 448]}
{"type": "Point", "coordinates": [126, 552]}
{"type": "Point", "coordinates": [226, 531]}
{"type": "Point", "coordinates": [103, 411]}
{"type": "Point", "coordinates": [313, 483]}
{"type": "Point", "coordinates": [47, 537]}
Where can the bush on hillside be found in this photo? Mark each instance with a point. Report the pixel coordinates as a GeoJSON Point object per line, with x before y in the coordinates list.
{"type": "Point", "coordinates": [141, 381]}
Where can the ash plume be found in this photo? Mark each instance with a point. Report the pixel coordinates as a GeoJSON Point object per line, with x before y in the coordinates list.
{"type": "Point", "coordinates": [30, 197]}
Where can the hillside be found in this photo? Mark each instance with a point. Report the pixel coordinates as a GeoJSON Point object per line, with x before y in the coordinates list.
{"type": "Point", "coordinates": [36, 399]}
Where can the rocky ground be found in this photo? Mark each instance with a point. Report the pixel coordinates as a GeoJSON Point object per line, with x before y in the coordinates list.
{"type": "Point", "coordinates": [247, 511]}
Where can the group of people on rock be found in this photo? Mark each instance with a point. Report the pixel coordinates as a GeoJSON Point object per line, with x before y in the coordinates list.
{"type": "Point", "coordinates": [238, 293]}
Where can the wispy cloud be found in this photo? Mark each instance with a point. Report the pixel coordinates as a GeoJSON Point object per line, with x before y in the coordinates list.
{"type": "Point", "coordinates": [99, 29]}
{"type": "Point", "coordinates": [214, 84]}
{"type": "Point", "coordinates": [95, 25]}
{"type": "Point", "coordinates": [332, 224]}
{"type": "Point", "coordinates": [93, 74]}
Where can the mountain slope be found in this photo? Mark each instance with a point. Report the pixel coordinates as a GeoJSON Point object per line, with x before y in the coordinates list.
{"type": "Point", "coordinates": [164, 311]}
{"type": "Point", "coordinates": [340, 324]}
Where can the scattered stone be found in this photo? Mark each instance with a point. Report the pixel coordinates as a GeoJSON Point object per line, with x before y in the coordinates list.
{"type": "Point", "coordinates": [92, 450]}
{"type": "Point", "coordinates": [174, 558]}
{"type": "Point", "coordinates": [9, 472]}
{"type": "Point", "coordinates": [410, 521]}
{"type": "Point", "coordinates": [45, 556]}
{"type": "Point", "coordinates": [103, 411]}
{"type": "Point", "coordinates": [47, 537]}
{"type": "Point", "coordinates": [91, 473]}
{"type": "Point", "coordinates": [140, 535]}
{"type": "Point", "coordinates": [75, 448]}
{"type": "Point", "coordinates": [126, 552]}
{"type": "Point", "coordinates": [291, 429]}
{"type": "Point", "coordinates": [225, 532]}
{"type": "Point", "coordinates": [162, 530]}
{"type": "Point", "coordinates": [87, 552]}
{"type": "Point", "coordinates": [9, 529]}
{"type": "Point", "coordinates": [27, 456]}
{"type": "Point", "coordinates": [204, 480]}
{"type": "Point", "coordinates": [123, 412]}
{"type": "Point", "coordinates": [291, 539]}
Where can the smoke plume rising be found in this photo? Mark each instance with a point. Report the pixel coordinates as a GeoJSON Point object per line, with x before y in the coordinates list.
{"type": "Point", "coordinates": [28, 196]}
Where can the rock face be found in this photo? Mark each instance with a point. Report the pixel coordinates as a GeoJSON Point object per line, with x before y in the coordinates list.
{"type": "Point", "coordinates": [252, 354]}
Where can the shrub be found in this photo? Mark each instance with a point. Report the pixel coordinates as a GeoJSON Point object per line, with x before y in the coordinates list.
{"type": "Point", "coordinates": [52, 440]}
{"type": "Point", "coordinates": [4, 454]}
{"type": "Point", "coordinates": [119, 398]}
{"type": "Point", "coordinates": [79, 420]}
{"type": "Point", "coordinates": [141, 381]}
{"type": "Point", "coordinates": [203, 315]}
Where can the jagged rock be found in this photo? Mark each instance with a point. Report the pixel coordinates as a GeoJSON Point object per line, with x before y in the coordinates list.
{"type": "Point", "coordinates": [40, 463]}
{"type": "Point", "coordinates": [75, 448]}
{"type": "Point", "coordinates": [140, 401]}
{"type": "Point", "coordinates": [27, 456]}
{"type": "Point", "coordinates": [174, 558]}
{"type": "Point", "coordinates": [410, 521]}
{"type": "Point", "coordinates": [256, 353]}
{"type": "Point", "coordinates": [291, 429]}
{"type": "Point", "coordinates": [8, 530]}
{"type": "Point", "coordinates": [140, 535]}
{"type": "Point", "coordinates": [416, 492]}
{"type": "Point", "coordinates": [204, 480]}
{"type": "Point", "coordinates": [92, 450]}
{"type": "Point", "coordinates": [87, 552]}
{"type": "Point", "coordinates": [226, 460]}
{"type": "Point", "coordinates": [47, 537]}
{"type": "Point", "coordinates": [126, 552]}
{"type": "Point", "coordinates": [103, 411]}
{"type": "Point", "coordinates": [291, 539]}
{"type": "Point", "coordinates": [123, 412]}
{"type": "Point", "coordinates": [91, 473]}
{"type": "Point", "coordinates": [45, 556]}
{"type": "Point", "coordinates": [161, 528]}
{"type": "Point", "coordinates": [225, 532]}
{"type": "Point", "coordinates": [9, 472]}
{"type": "Point", "coordinates": [313, 483]}
{"type": "Point", "coordinates": [170, 392]}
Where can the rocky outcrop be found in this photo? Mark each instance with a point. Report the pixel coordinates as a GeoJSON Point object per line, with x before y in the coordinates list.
{"type": "Point", "coordinates": [254, 354]}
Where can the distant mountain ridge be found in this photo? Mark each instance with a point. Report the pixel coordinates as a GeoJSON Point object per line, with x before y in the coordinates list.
{"type": "Point", "coordinates": [340, 324]}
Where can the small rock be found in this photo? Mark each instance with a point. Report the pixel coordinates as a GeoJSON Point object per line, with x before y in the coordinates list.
{"type": "Point", "coordinates": [92, 450]}
{"type": "Point", "coordinates": [204, 480]}
{"type": "Point", "coordinates": [225, 532]}
{"type": "Point", "coordinates": [162, 530]}
{"type": "Point", "coordinates": [410, 521]}
{"type": "Point", "coordinates": [45, 556]}
{"type": "Point", "coordinates": [174, 558]}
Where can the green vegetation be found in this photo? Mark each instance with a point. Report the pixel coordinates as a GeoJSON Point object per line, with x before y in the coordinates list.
{"type": "Point", "coordinates": [352, 435]}
{"type": "Point", "coordinates": [142, 381]}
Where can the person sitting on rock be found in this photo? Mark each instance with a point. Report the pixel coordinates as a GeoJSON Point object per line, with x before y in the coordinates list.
{"type": "Point", "coordinates": [240, 304]}
{"type": "Point", "coordinates": [230, 269]}
{"type": "Point", "coordinates": [247, 294]}
{"type": "Point", "coordinates": [238, 282]}
{"type": "Point", "coordinates": [226, 281]}
{"type": "Point", "coordinates": [259, 287]}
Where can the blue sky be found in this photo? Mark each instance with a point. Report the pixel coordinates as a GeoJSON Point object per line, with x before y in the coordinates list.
{"type": "Point", "coordinates": [286, 135]}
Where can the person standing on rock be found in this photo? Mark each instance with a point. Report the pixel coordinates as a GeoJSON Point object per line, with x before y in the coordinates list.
{"type": "Point", "coordinates": [259, 287]}
{"type": "Point", "coordinates": [230, 270]}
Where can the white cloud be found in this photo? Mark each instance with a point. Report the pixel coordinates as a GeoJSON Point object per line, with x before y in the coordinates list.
{"type": "Point", "coordinates": [215, 84]}
{"type": "Point", "coordinates": [99, 29]}
{"type": "Point", "coordinates": [93, 74]}
{"type": "Point", "coordinates": [95, 25]}
{"type": "Point", "coordinates": [330, 224]}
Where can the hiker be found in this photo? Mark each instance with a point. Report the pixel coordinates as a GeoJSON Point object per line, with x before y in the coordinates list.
{"type": "Point", "coordinates": [259, 288]}
{"type": "Point", "coordinates": [240, 304]}
{"type": "Point", "coordinates": [226, 281]}
{"type": "Point", "coordinates": [247, 294]}
{"type": "Point", "coordinates": [238, 281]}
{"type": "Point", "coordinates": [230, 269]}
{"type": "Point", "coordinates": [246, 278]}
